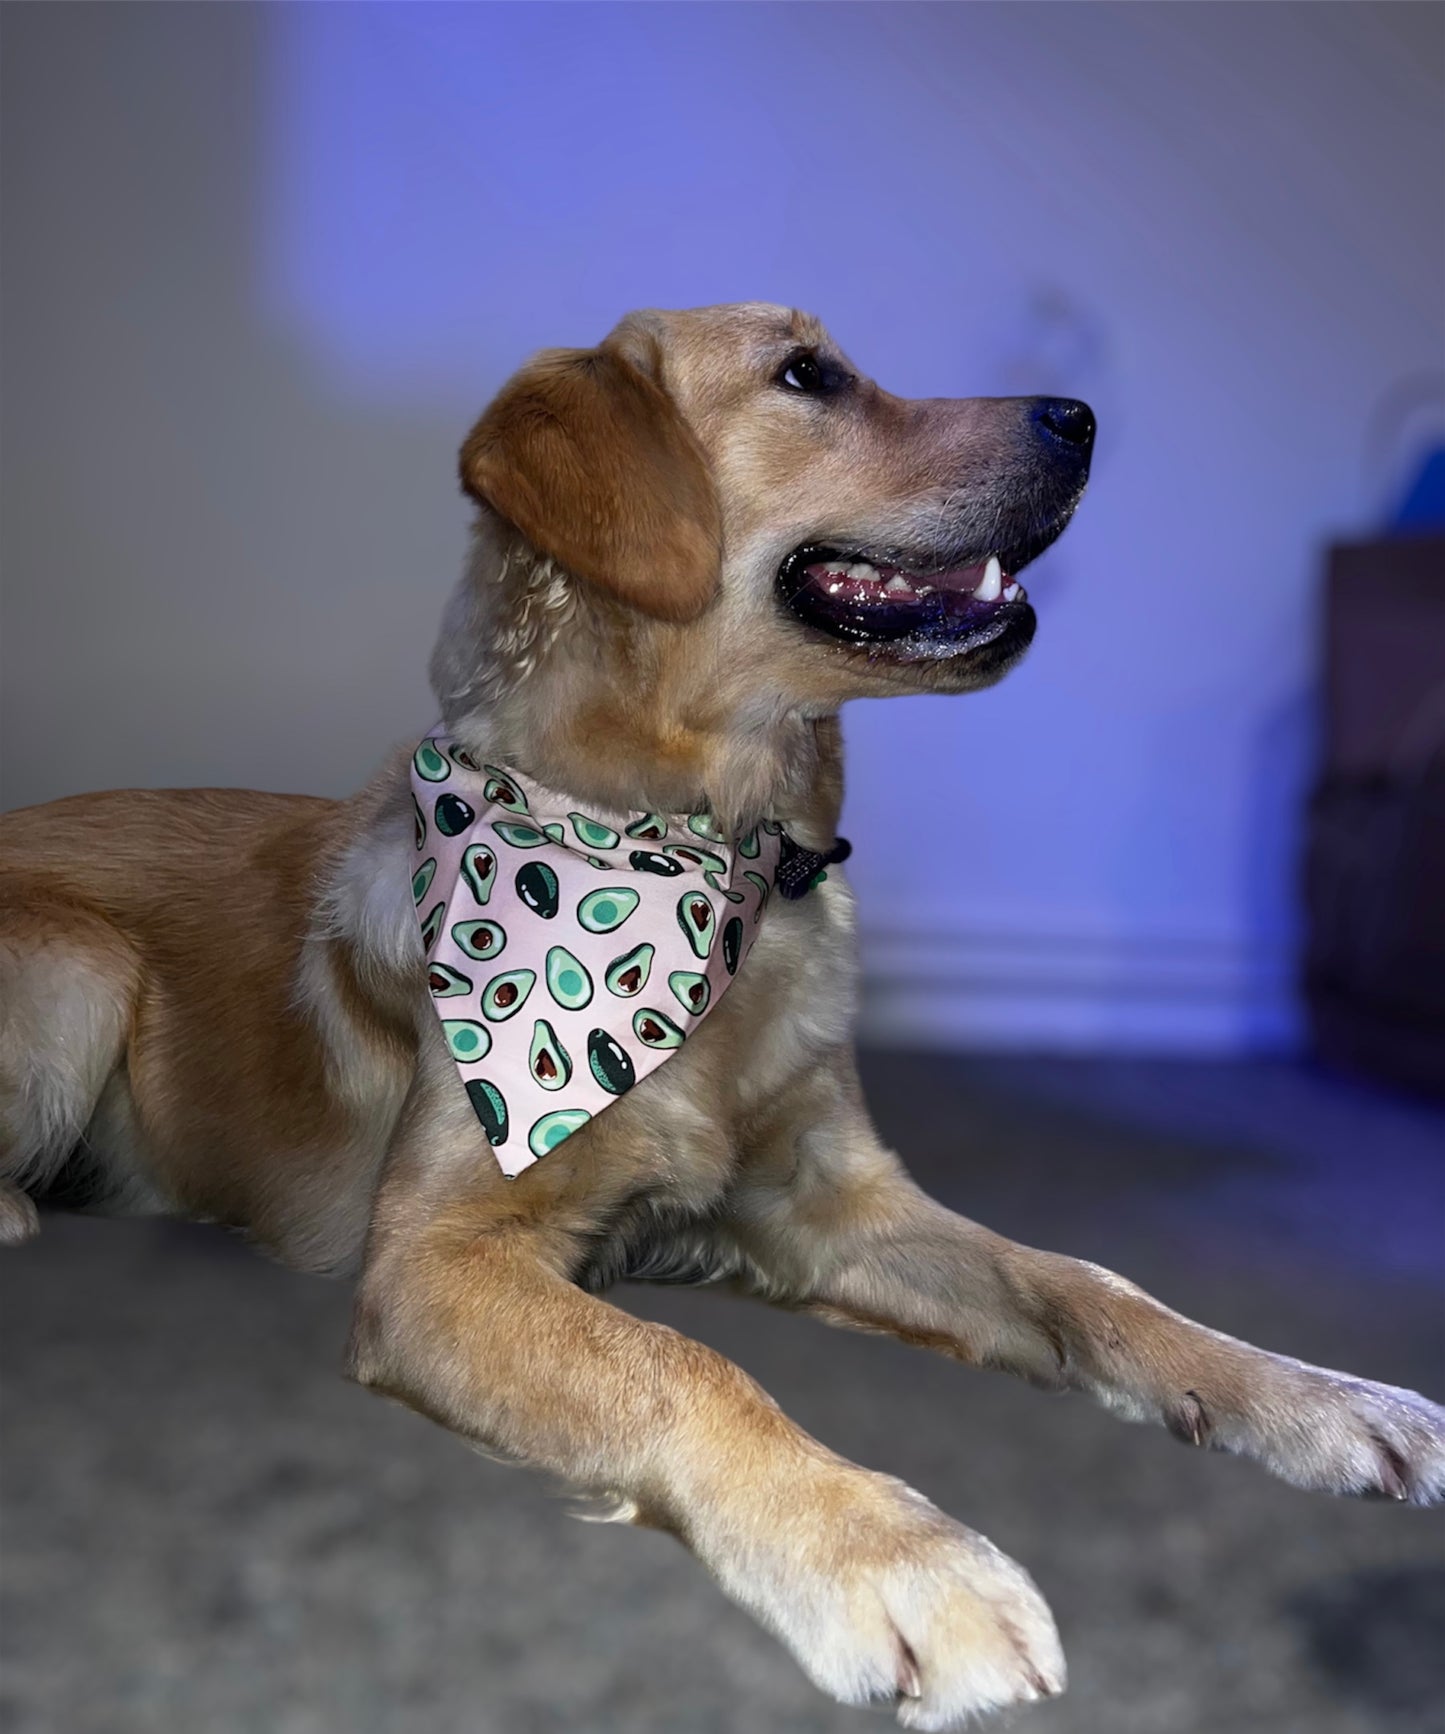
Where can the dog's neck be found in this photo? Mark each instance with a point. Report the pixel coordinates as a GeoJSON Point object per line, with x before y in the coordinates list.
{"type": "Point", "coordinates": [534, 674]}
{"type": "Point", "coordinates": [600, 748]}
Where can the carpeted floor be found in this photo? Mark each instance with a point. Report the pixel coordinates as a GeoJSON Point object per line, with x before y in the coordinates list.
{"type": "Point", "coordinates": [203, 1530]}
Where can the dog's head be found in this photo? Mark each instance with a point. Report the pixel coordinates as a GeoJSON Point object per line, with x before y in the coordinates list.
{"type": "Point", "coordinates": [747, 520]}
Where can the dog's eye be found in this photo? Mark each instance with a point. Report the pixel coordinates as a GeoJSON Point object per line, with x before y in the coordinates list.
{"type": "Point", "coordinates": [803, 373]}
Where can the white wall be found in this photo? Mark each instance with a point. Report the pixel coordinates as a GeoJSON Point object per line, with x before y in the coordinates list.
{"type": "Point", "coordinates": [262, 264]}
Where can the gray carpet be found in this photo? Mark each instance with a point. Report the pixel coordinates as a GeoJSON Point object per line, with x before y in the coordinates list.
{"type": "Point", "coordinates": [206, 1532]}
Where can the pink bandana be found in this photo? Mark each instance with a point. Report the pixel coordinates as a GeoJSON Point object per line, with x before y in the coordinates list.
{"type": "Point", "coordinates": [570, 953]}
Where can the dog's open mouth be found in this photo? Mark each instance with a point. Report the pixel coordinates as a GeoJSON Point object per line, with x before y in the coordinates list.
{"type": "Point", "coordinates": [909, 612]}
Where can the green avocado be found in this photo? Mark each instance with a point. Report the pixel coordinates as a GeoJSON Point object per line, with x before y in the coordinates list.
{"type": "Point", "coordinates": [446, 982]}
{"type": "Point", "coordinates": [537, 887]}
{"type": "Point", "coordinates": [422, 878]}
{"type": "Point", "coordinates": [692, 991]}
{"type": "Point", "coordinates": [483, 940]}
{"type": "Point", "coordinates": [733, 943]}
{"type": "Point", "coordinates": [650, 828]}
{"type": "Point", "coordinates": [609, 1062]}
{"type": "Point", "coordinates": [479, 869]}
{"type": "Point", "coordinates": [506, 994]}
{"type": "Point", "coordinates": [749, 846]}
{"type": "Point", "coordinates": [627, 975]}
{"type": "Point", "coordinates": [453, 815]}
{"type": "Point", "coordinates": [491, 1109]}
{"type": "Point", "coordinates": [431, 928]}
{"type": "Point", "coordinates": [519, 836]}
{"type": "Point", "coordinates": [550, 1063]}
{"type": "Point", "coordinates": [567, 980]}
{"type": "Point", "coordinates": [554, 833]}
{"type": "Point", "coordinates": [463, 757]}
{"type": "Point", "coordinates": [704, 825]}
{"type": "Point", "coordinates": [501, 791]}
{"type": "Point", "coordinates": [601, 911]}
{"type": "Point", "coordinates": [695, 856]}
{"type": "Point", "coordinates": [655, 1029]}
{"type": "Point", "coordinates": [551, 1129]}
{"type": "Point", "coordinates": [467, 1040]}
{"type": "Point", "coordinates": [696, 919]}
{"type": "Point", "coordinates": [598, 862]}
{"type": "Point", "coordinates": [419, 820]}
{"type": "Point", "coordinates": [763, 889]}
{"type": "Point", "coordinates": [595, 836]}
{"type": "Point", "coordinates": [430, 763]}
{"type": "Point", "coordinates": [726, 890]}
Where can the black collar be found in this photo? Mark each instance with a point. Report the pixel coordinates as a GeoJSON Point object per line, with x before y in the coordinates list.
{"type": "Point", "coordinates": [800, 869]}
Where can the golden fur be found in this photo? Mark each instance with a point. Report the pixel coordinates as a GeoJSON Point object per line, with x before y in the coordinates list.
{"type": "Point", "coordinates": [225, 1016]}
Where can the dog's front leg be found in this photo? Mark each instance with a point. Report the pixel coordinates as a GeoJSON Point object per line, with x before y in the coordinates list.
{"type": "Point", "coordinates": [466, 1311]}
{"type": "Point", "coordinates": [827, 1220]}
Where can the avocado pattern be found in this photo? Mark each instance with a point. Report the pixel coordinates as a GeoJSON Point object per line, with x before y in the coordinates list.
{"type": "Point", "coordinates": [422, 878]}
{"type": "Point", "coordinates": [733, 944]}
{"type": "Point", "coordinates": [467, 1039]}
{"type": "Point", "coordinates": [627, 975]}
{"type": "Point", "coordinates": [602, 911]}
{"type": "Point", "coordinates": [537, 888]}
{"type": "Point", "coordinates": [482, 940]}
{"type": "Point", "coordinates": [609, 1062]}
{"type": "Point", "coordinates": [431, 765]}
{"type": "Point", "coordinates": [551, 1129]}
{"type": "Point", "coordinates": [548, 1061]}
{"type": "Point", "coordinates": [592, 834]}
{"type": "Point", "coordinates": [567, 980]}
{"type": "Point", "coordinates": [479, 869]}
{"type": "Point", "coordinates": [506, 994]}
{"type": "Point", "coordinates": [491, 1109]}
{"type": "Point", "coordinates": [655, 1029]}
{"type": "Point", "coordinates": [698, 920]}
{"type": "Point", "coordinates": [691, 990]}
{"type": "Point", "coordinates": [431, 926]}
{"type": "Point", "coordinates": [619, 932]}
{"type": "Point", "coordinates": [453, 815]}
{"type": "Point", "coordinates": [446, 982]}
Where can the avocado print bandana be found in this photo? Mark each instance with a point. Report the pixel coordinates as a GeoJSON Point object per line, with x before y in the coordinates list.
{"type": "Point", "coordinates": [570, 953]}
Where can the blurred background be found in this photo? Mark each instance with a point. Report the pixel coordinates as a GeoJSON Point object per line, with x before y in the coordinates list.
{"type": "Point", "coordinates": [1181, 1005]}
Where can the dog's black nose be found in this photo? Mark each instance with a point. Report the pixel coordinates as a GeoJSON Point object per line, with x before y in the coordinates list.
{"type": "Point", "coordinates": [1067, 420]}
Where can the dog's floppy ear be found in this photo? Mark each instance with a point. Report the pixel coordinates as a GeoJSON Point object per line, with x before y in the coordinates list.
{"type": "Point", "coordinates": [592, 462]}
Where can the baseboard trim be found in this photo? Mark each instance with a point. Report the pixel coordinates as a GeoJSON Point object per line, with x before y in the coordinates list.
{"type": "Point", "coordinates": [1076, 992]}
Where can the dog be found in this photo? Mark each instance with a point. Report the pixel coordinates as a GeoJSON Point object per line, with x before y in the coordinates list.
{"type": "Point", "coordinates": [693, 544]}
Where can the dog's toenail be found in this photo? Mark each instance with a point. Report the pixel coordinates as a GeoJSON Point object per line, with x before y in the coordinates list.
{"type": "Point", "coordinates": [1188, 1421]}
{"type": "Point", "coordinates": [1394, 1471]}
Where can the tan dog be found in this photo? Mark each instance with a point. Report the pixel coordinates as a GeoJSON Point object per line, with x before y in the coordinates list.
{"type": "Point", "coordinates": [694, 543]}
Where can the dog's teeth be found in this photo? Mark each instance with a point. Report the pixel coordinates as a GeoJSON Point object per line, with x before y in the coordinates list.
{"type": "Point", "coordinates": [1010, 591]}
{"type": "Point", "coordinates": [991, 585]}
{"type": "Point", "coordinates": [898, 586]}
{"type": "Point", "coordinates": [862, 570]}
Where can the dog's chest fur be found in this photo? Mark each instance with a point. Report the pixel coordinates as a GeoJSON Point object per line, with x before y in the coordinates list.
{"type": "Point", "coordinates": [652, 1172]}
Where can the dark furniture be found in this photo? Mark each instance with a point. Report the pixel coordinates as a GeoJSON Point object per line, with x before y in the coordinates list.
{"type": "Point", "coordinates": [1374, 968]}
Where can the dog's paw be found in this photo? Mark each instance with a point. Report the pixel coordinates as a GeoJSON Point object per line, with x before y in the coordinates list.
{"type": "Point", "coordinates": [883, 1599]}
{"type": "Point", "coordinates": [1325, 1431]}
